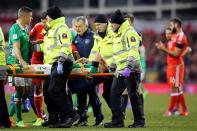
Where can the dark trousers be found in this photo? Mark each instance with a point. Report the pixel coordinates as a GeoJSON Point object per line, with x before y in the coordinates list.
{"type": "Point", "coordinates": [118, 86]}
{"type": "Point", "coordinates": [56, 98]}
{"type": "Point", "coordinates": [107, 83]}
{"type": "Point", "coordinates": [4, 116]}
{"type": "Point", "coordinates": [83, 88]}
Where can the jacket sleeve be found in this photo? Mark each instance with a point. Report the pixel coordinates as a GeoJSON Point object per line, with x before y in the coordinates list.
{"type": "Point", "coordinates": [133, 50]}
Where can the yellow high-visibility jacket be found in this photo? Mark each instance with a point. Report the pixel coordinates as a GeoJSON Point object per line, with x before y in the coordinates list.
{"type": "Point", "coordinates": [126, 48]}
{"type": "Point", "coordinates": [57, 41]}
{"type": "Point", "coordinates": [2, 46]}
{"type": "Point", "coordinates": [103, 46]}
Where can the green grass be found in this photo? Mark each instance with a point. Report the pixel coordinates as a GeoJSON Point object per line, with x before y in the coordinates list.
{"type": "Point", "coordinates": [155, 105]}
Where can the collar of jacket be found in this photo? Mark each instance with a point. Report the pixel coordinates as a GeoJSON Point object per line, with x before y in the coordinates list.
{"type": "Point", "coordinates": [123, 27]}
{"type": "Point", "coordinates": [57, 22]}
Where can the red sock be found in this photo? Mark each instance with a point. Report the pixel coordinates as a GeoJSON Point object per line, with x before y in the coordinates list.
{"type": "Point", "coordinates": [176, 107]}
{"type": "Point", "coordinates": [38, 104]}
{"type": "Point", "coordinates": [173, 101]}
{"type": "Point", "coordinates": [182, 102]}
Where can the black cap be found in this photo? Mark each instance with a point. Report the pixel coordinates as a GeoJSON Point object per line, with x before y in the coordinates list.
{"type": "Point", "coordinates": [54, 12]}
{"type": "Point", "coordinates": [117, 17]}
{"type": "Point", "coordinates": [100, 18]}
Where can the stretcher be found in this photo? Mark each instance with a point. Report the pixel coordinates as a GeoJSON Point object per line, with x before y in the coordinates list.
{"type": "Point", "coordinates": [39, 71]}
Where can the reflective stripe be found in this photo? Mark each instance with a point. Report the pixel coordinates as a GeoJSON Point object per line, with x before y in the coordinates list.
{"type": "Point", "coordinates": [55, 38]}
{"type": "Point", "coordinates": [93, 52]}
{"type": "Point", "coordinates": [124, 48]}
{"type": "Point", "coordinates": [119, 52]}
{"type": "Point", "coordinates": [66, 45]}
{"type": "Point", "coordinates": [133, 47]}
{"type": "Point", "coordinates": [123, 39]}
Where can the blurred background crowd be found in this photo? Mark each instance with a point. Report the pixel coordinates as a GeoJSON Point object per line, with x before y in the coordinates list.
{"type": "Point", "coordinates": [152, 18]}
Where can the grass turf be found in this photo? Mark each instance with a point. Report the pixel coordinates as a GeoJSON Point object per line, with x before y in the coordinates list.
{"type": "Point", "coordinates": [155, 106]}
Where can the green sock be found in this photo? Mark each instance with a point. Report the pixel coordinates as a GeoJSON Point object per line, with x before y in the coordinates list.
{"type": "Point", "coordinates": [75, 101]}
{"type": "Point", "coordinates": [12, 110]}
{"type": "Point", "coordinates": [17, 104]}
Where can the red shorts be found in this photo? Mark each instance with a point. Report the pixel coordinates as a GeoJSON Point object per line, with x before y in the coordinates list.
{"type": "Point", "coordinates": [175, 75]}
{"type": "Point", "coordinates": [37, 58]}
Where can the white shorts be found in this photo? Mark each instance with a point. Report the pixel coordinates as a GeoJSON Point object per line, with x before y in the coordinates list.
{"type": "Point", "coordinates": [21, 82]}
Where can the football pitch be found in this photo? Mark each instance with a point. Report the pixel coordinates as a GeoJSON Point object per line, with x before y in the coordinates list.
{"type": "Point", "coordinates": [155, 106]}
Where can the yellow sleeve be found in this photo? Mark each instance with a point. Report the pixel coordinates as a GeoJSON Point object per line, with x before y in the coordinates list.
{"type": "Point", "coordinates": [94, 50]}
{"type": "Point", "coordinates": [133, 42]}
{"type": "Point", "coordinates": [2, 40]}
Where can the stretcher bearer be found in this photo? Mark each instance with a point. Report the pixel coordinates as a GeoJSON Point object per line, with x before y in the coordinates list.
{"type": "Point", "coordinates": [57, 43]}
{"type": "Point", "coordinates": [102, 52]}
{"type": "Point", "coordinates": [19, 54]}
{"type": "Point", "coordinates": [4, 116]}
{"type": "Point", "coordinates": [127, 59]}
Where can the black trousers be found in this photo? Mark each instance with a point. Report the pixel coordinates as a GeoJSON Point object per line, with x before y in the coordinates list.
{"type": "Point", "coordinates": [107, 84]}
{"type": "Point", "coordinates": [132, 84]}
{"type": "Point", "coordinates": [83, 88]}
{"type": "Point", "coordinates": [56, 98]}
{"type": "Point", "coordinates": [4, 116]}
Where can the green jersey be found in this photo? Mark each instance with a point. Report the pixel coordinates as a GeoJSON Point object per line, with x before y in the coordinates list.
{"type": "Point", "coordinates": [20, 35]}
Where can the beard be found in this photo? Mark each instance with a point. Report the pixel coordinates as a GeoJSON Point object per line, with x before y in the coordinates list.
{"type": "Point", "coordinates": [174, 30]}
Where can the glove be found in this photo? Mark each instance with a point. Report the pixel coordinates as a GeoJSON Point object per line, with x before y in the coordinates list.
{"type": "Point", "coordinates": [60, 68]}
{"type": "Point", "coordinates": [126, 72]}
{"type": "Point", "coordinates": [112, 67]}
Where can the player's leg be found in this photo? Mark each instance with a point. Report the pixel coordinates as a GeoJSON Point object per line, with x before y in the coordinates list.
{"type": "Point", "coordinates": [171, 78]}
{"type": "Point", "coordinates": [182, 101]}
{"type": "Point", "coordinates": [38, 99]}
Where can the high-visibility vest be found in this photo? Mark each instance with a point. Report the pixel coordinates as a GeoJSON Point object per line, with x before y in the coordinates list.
{"type": "Point", "coordinates": [2, 46]}
{"type": "Point", "coordinates": [57, 40]}
{"type": "Point", "coordinates": [125, 47]}
{"type": "Point", "coordinates": [103, 46]}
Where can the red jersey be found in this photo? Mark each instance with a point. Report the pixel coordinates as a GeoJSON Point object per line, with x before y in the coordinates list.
{"type": "Point", "coordinates": [176, 40]}
{"type": "Point", "coordinates": [36, 31]}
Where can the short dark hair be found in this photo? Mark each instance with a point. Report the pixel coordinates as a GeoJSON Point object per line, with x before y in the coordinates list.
{"type": "Point", "coordinates": [24, 9]}
{"type": "Point", "coordinates": [177, 21]}
{"type": "Point", "coordinates": [43, 15]}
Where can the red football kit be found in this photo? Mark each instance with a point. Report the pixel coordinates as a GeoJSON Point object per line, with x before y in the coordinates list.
{"type": "Point", "coordinates": [175, 65]}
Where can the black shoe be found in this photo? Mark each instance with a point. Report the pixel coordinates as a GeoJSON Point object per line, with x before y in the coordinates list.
{"type": "Point", "coordinates": [135, 125]}
{"type": "Point", "coordinates": [45, 124]}
{"type": "Point", "coordinates": [68, 122]}
{"type": "Point", "coordinates": [2, 126]}
{"type": "Point", "coordinates": [57, 125]}
{"type": "Point", "coordinates": [99, 121]}
{"type": "Point", "coordinates": [114, 124]}
{"type": "Point", "coordinates": [81, 123]}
